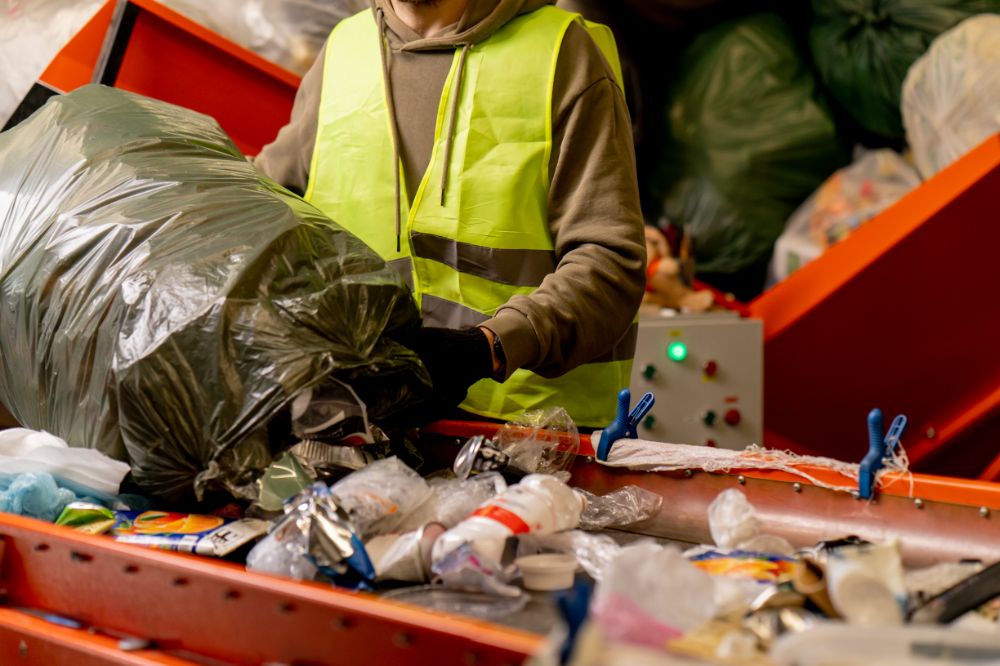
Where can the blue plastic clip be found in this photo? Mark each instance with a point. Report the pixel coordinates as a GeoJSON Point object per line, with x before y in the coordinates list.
{"type": "Point", "coordinates": [880, 449]}
{"type": "Point", "coordinates": [625, 422]}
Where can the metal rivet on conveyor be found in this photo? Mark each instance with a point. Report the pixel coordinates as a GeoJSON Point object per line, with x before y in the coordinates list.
{"type": "Point", "coordinates": [797, 487]}
{"type": "Point", "coordinates": [919, 503]}
{"type": "Point", "coordinates": [470, 659]}
{"type": "Point", "coordinates": [341, 623]}
{"type": "Point", "coordinates": [688, 473]}
{"type": "Point", "coordinates": [232, 595]}
{"type": "Point", "coordinates": [742, 480]}
{"type": "Point", "coordinates": [590, 459]}
{"type": "Point", "coordinates": [22, 649]}
{"type": "Point", "coordinates": [80, 557]}
{"type": "Point", "coordinates": [180, 582]}
{"type": "Point", "coordinates": [131, 569]}
{"type": "Point", "coordinates": [286, 607]}
{"type": "Point", "coordinates": [41, 547]}
{"type": "Point", "coordinates": [984, 512]}
{"type": "Point", "coordinates": [402, 639]}
{"type": "Point", "coordinates": [931, 433]}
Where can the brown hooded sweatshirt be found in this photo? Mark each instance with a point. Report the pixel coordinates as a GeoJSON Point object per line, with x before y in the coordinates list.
{"type": "Point", "coordinates": [582, 309]}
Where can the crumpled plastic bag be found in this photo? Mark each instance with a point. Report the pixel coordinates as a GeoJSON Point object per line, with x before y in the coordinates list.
{"type": "Point", "coordinates": [951, 95]}
{"type": "Point", "coordinates": [733, 523]}
{"type": "Point", "coordinates": [845, 201]}
{"type": "Point", "coordinates": [650, 594]}
{"type": "Point", "coordinates": [379, 497]}
{"type": "Point", "coordinates": [163, 302]}
{"type": "Point", "coordinates": [863, 48]}
{"type": "Point", "coordinates": [542, 441]}
{"type": "Point", "coordinates": [624, 506]}
{"type": "Point", "coordinates": [749, 140]}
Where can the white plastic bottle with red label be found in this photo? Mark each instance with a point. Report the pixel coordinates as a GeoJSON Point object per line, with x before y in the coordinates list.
{"type": "Point", "coordinates": [539, 504]}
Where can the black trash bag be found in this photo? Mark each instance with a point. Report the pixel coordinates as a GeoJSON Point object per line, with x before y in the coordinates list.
{"type": "Point", "coordinates": [863, 49]}
{"type": "Point", "coordinates": [162, 301]}
{"type": "Point", "coordinates": [749, 140]}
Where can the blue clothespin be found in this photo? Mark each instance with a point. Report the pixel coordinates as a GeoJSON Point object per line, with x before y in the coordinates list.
{"type": "Point", "coordinates": [880, 448]}
{"type": "Point", "coordinates": [625, 422]}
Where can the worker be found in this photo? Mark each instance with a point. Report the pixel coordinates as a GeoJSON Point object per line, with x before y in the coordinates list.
{"type": "Point", "coordinates": [483, 148]}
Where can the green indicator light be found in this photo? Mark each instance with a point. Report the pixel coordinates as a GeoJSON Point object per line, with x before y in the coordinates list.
{"type": "Point", "coordinates": [677, 351]}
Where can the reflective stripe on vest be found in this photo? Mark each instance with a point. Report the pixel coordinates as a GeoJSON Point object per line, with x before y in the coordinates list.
{"type": "Point", "coordinates": [488, 240]}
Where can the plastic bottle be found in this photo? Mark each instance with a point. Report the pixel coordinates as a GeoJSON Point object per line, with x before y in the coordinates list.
{"type": "Point", "coordinates": [539, 504]}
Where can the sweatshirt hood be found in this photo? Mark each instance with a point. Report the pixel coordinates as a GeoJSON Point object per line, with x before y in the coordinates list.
{"type": "Point", "coordinates": [481, 19]}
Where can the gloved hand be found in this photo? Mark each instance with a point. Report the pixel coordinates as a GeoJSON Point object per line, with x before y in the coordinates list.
{"type": "Point", "coordinates": [455, 359]}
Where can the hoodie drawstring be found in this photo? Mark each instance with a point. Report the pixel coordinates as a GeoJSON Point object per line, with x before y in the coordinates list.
{"type": "Point", "coordinates": [452, 116]}
{"type": "Point", "coordinates": [391, 103]}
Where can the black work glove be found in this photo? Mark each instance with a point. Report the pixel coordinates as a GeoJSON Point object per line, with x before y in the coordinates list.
{"type": "Point", "coordinates": [455, 359]}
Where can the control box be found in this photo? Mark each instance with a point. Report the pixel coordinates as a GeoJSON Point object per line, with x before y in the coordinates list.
{"type": "Point", "coordinates": [707, 373]}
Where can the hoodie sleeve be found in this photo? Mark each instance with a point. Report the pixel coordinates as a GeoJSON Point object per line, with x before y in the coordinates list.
{"type": "Point", "coordinates": [582, 309]}
{"type": "Point", "coordinates": [287, 158]}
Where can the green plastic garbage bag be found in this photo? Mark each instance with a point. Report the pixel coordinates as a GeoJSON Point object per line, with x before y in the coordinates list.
{"type": "Point", "coordinates": [863, 49]}
{"type": "Point", "coordinates": [163, 302]}
{"type": "Point", "coordinates": [749, 141]}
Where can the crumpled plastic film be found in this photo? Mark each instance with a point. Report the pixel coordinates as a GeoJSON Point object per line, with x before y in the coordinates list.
{"type": "Point", "coordinates": [951, 95]}
{"type": "Point", "coordinates": [627, 505]}
{"type": "Point", "coordinates": [378, 497]}
{"type": "Point", "coordinates": [543, 441]}
{"type": "Point", "coordinates": [162, 301]}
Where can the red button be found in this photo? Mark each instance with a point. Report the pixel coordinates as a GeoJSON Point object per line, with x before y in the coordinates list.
{"type": "Point", "coordinates": [733, 417]}
{"type": "Point", "coordinates": [710, 368]}
{"type": "Point", "coordinates": [711, 443]}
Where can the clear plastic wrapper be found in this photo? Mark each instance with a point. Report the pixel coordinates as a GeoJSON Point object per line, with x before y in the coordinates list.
{"type": "Point", "coordinates": [845, 201]}
{"type": "Point", "coordinates": [287, 32]}
{"type": "Point", "coordinates": [543, 441]}
{"type": "Point", "coordinates": [314, 540]}
{"type": "Point", "coordinates": [452, 500]}
{"type": "Point", "coordinates": [732, 519]}
{"type": "Point", "coordinates": [951, 95]}
{"type": "Point", "coordinates": [163, 302]}
{"type": "Point", "coordinates": [378, 497]}
{"type": "Point", "coordinates": [471, 604]}
{"type": "Point", "coordinates": [627, 505]}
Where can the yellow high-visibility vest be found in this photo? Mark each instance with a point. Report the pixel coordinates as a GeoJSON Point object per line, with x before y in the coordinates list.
{"type": "Point", "coordinates": [468, 252]}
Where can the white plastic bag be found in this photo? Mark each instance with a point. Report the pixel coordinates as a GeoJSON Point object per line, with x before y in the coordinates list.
{"type": "Point", "coordinates": [846, 200]}
{"type": "Point", "coordinates": [23, 450]}
{"type": "Point", "coordinates": [32, 32]}
{"type": "Point", "coordinates": [951, 95]}
{"type": "Point", "coordinates": [287, 32]}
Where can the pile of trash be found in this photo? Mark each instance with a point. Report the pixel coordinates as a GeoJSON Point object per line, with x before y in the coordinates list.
{"type": "Point", "coordinates": [503, 527]}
